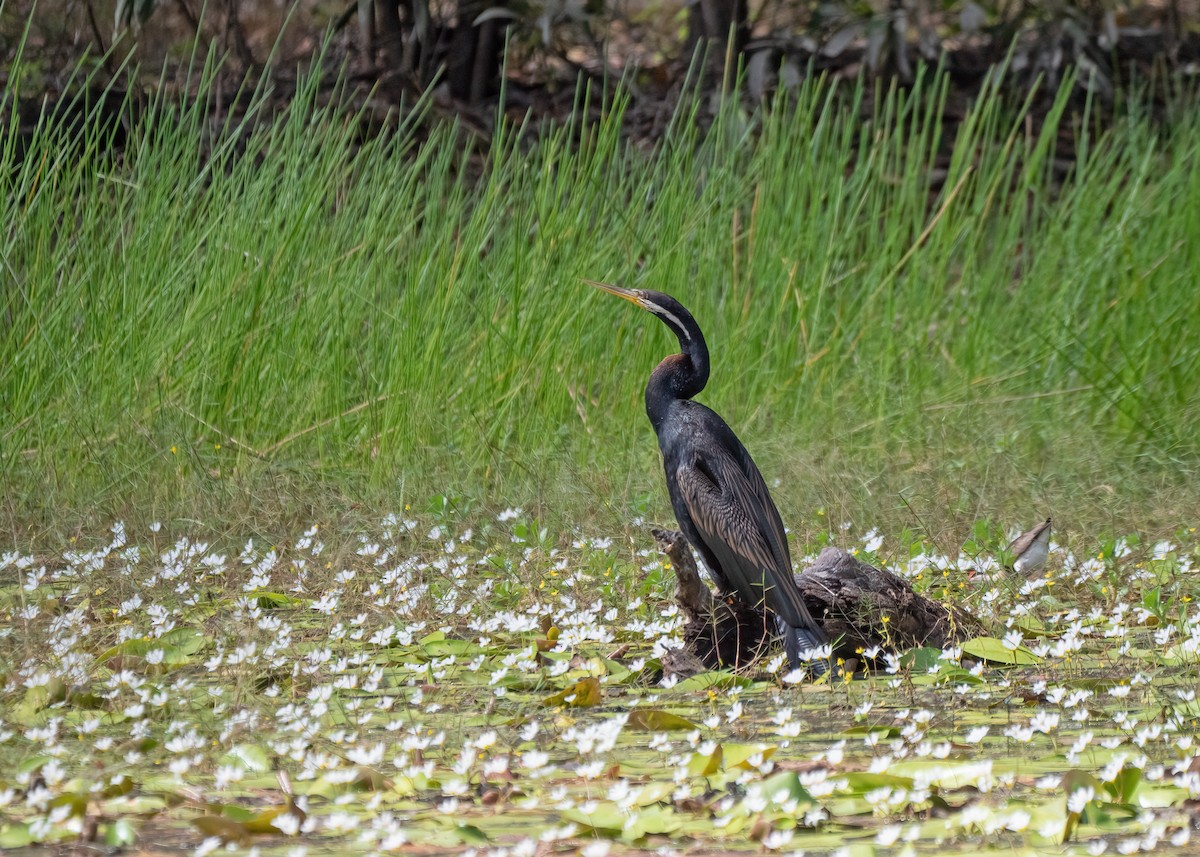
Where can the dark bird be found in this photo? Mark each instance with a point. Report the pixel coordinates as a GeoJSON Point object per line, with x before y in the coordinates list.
{"type": "Point", "coordinates": [1030, 550]}
{"type": "Point", "coordinates": [720, 499]}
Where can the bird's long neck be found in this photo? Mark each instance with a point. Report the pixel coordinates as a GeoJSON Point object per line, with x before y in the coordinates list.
{"type": "Point", "coordinates": [679, 376]}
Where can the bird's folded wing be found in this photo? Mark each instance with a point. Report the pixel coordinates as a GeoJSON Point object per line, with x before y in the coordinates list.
{"type": "Point", "coordinates": [730, 520]}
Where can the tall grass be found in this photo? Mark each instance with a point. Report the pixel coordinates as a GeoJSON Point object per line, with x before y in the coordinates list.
{"type": "Point", "coordinates": [281, 302]}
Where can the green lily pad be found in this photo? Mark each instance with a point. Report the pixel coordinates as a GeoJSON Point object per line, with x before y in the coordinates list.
{"type": "Point", "coordinates": [993, 650]}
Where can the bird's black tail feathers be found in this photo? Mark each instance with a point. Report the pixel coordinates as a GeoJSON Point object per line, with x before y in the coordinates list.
{"type": "Point", "coordinates": [796, 641]}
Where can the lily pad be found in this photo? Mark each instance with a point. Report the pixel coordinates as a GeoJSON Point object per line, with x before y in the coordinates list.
{"type": "Point", "coordinates": [656, 720]}
{"type": "Point", "coordinates": [993, 650]}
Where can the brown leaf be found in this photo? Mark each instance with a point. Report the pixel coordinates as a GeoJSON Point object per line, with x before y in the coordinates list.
{"type": "Point", "coordinates": [582, 694]}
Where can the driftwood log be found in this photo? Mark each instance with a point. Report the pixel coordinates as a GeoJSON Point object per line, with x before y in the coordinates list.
{"type": "Point", "coordinates": [858, 605]}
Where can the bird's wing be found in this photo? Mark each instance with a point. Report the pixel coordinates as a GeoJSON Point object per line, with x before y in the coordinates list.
{"type": "Point", "coordinates": [735, 517]}
{"type": "Point", "coordinates": [1021, 543]}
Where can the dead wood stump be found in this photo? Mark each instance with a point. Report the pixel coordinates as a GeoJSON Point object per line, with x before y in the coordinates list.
{"type": "Point", "coordinates": [858, 605]}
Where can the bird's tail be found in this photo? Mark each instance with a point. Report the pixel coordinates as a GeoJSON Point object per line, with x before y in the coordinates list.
{"type": "Point", "coordinates": [798, 642]}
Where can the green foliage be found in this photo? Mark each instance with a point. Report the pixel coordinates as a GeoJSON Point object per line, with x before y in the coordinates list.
{"type": "Point", "coordinates": [289, 303]}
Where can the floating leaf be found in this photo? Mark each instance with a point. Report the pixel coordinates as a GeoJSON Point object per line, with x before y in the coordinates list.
{"type": "Point", "coordinates": [120, 786]}
{"type": "Point", "coordinates": [185, 641]}
{"type": "Point", "coordinates": [879, 729]}
{"type": "Point", "coordinates": [864, 781]}
{"type": "Point", "coordinates": [582, 694]}
{"type": "Point", "coordinates": [705, 765]}
{"type": "Point", "coordinates": [15, 836]}
{"type": "Point", "coordinates": [176, 647]}
{"type": "Point", "coordinates": [1123, 786]}
{"type": "Point", "coordinates": [367, 779]}
{"type": "Point", "coordinates": [922, 659]}
{"type": "Point", "coordinates": [437, 645]}
{"type": "Point", "coordinates": [651, 821]}
{"type": "Point", "coordinates": [120, 834]}
{"type": "Point", "coordinates": [35, 700]}
{"type": "Point", "coordinates": [1031, 625]}
{"type": "Point", "coordinates": [261, 822]}
{"type": "Point", "coordinates": [77, 803]}
{"type": "Point", "coordinates": [248, 757]}
{"type": "Point", "coordinates": [602, 816]}
{"type": "Point", "coordinates": [225, 829]}
{"type": "Point", "coordinates": [32, 764]}
{"type": "Point", "coordinates": [994, 650]}
{"type": "Point", "coordinates": [957, 675]}
{"type": "Point", "coordinates": [657, 720]}
{"type": "Point", "coordinates": [713, 679]}
{"type": "Point", "coordinates": [739, 755]}
{"type": "Point", "coordinates": [277, 600]}
{"type": "Point", "coordinates": [654, 792]}
{"type": "Point", "coordinates": [471, 835]}
{"type": "Point", "coordinates": [786, 786]}
{"type": "Point", "coordinates": [945, 774]}
{"type": "Point", "coordinates": [1160, 795]}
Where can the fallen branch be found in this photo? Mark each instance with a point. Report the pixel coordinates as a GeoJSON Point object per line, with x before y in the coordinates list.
{"type": "Point", "coordinates": [859, 607]}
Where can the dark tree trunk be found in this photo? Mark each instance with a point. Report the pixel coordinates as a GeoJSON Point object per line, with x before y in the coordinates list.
{"type": "Point", "coordinates": [473, 66]}
{"type": "Point", "coordinates": [711, 24]}
{"type": "Point", "coordinates": [388, 36]}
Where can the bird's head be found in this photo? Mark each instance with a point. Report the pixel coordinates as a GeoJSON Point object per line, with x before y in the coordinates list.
{"type": "Point", "coordinates": [668, 310]}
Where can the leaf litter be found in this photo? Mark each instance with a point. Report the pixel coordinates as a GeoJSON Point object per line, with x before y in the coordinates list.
{"type": "Point", "coordinates": [429, 684]}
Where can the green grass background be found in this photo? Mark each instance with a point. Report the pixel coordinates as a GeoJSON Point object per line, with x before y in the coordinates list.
{"type": "Point", "coordinates": [278, 316]}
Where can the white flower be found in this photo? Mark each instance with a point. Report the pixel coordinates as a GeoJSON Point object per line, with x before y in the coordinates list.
{"type": "Point", "coordinates": [977, 734]}
{"type": "Point", "coordinates": [888, 835]}
{"type": "Point", "coordinates": [596, 848]}
{"type": "Point", "coordinates": [288, 823]}
{"type": "Point", "coordinates": [535, 759]}
{"type": "Point", "coordinates": [1080, 798]}
{"type": "Point", "coordinates": [1018, 820]}
{"type": "Point", "coordinates": [208, 846]}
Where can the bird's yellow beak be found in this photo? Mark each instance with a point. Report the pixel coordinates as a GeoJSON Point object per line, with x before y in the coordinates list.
{"type": "Point", "coordinates": [631, 295]}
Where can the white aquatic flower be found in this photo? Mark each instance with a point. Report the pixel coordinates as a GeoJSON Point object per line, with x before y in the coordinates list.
{"type": "Point", "coordinates": [288, 823]}
{"type": "Point", "coordinates": [834, 754]}
{"type": "Point", "coordinates": [1019, 733]}
{"type": "Point", "coordinates": [888, 835]}
{"type": "Point", "coordinates": [1044, 721]}
{"type": "Point", "coordinates": [209, 845]}
{"type": "Point", "coordinates": [777, 839]}
{"type": "Point", "coordinates": [1018, 820]}
{"type": "Point", "coordinates": [1080, 798]}
{"type": "Point", "coordinates": [554, 834]}
{"type": "Point", "coordinates": [590, 770]}
{"type": "Point", "coordinates": [1162, 549]}
{"type": "Point", "coordinates": [535, 759]}
{"type": "Point", "coordinates": [596, 848]}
